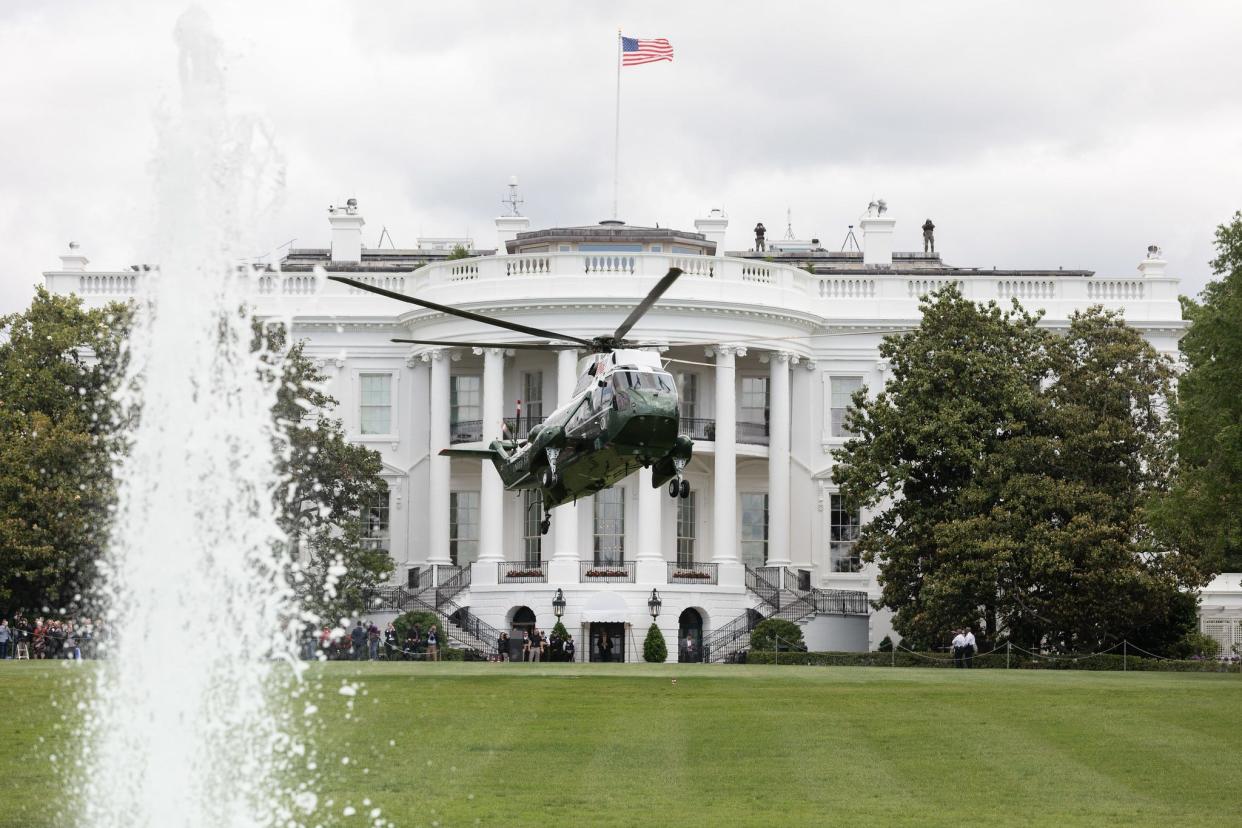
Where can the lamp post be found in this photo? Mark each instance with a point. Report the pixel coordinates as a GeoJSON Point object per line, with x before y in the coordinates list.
{"type": "Point", "coordinates": [558, 604]}
{"type": "Point", "coordinates": [654, 603]}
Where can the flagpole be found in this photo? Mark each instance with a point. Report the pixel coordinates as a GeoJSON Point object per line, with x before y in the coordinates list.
{"type": "Point", "coordinates": [616, 138]}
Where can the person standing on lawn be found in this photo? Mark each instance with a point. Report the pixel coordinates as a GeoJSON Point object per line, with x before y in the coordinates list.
{"type": "Point", "coordinates": [959, 649]}
{"type": "Point", "coordinates": [968, 653]}
{"type": "Point", "coordinates": [358, 638]}
{"type": "Point", "coordinates": [433, 648]}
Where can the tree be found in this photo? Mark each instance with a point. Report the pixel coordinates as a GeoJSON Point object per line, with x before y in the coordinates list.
{"type": "Point", "coordinates": [776, 634]}
{"type": "Point", "coordinates": [1202, 513]}
{"type": "Point", "coordinates": [331, 488]}
{"type": "Point", "coordinates": [59, 366]}
{"type": "Point", "coordinates": [1011, 468]}
{"type": "Point", "coordinates": [654, 648]}
{"type": "Point", "coordinates": [459, 251]}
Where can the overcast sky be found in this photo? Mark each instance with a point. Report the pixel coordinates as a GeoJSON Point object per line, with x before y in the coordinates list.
{"type": "Point", "coordinates": [1033, 134]}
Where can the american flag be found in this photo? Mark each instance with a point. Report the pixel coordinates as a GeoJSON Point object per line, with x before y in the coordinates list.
{"type": "Point", "coordinates": [635, 51]}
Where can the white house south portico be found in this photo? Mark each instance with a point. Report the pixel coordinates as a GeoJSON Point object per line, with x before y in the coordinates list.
{"type": "Point", "coordinates": [766, 347]}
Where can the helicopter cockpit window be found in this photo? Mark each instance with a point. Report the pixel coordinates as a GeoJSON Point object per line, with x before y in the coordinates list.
{"type": "Point", "coordinates": [644, 381]}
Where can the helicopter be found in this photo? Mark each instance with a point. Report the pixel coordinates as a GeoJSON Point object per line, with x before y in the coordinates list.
{"type": "Point", "coordinates": [621, 416]}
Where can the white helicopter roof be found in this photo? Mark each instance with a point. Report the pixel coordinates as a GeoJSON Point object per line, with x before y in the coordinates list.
{"type": "Point", "coordinates": [623, 358]}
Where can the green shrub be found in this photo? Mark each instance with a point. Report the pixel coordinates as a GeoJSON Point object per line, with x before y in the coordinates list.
{"type": "Point", "coordinates": [654, 649]}
{"type": "Point", "coordinates": [886, 644]}
{"type": "Point", "coordinates": [558, 629]}
{"type": "Point", "coordinates": [996, 661]}
{"type": "Point", "coordinates": [404, 622]}
{"type": "Point", "coordinates": [765, 635]}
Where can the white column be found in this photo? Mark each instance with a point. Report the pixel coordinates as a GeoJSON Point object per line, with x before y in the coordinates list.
{"type": "Point", "coordinates": [724, 525]}
{"type": "Point", "coordinates": [564, 565]}
{"type": "Point", "coordinates": [438, 465]}
{"type": "Point", "coordinates": [649, 562]}
{"type": "Point", "coordinates": [491, 497]}
{"type": "Point", "coordinates": [778, 460]}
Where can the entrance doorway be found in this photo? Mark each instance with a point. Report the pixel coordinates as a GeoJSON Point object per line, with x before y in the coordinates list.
{"type": "Point", "coordinates": [612, 633]}
{"type": "Point", "coordinates": [523, 620]}
{"type": "Point", "coordinates": [690, 626]}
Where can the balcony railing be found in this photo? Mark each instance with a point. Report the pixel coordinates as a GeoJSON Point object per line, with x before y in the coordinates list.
{"type": "Point", "coordinates": [842, 602]}
{"type": "Point", "coordinates": [519, 427]}
{"type": "Point", "coordinates": [700, 428]}
{"type": "Point", "coordinates": [694, 573]}
{"type": "Point", "coordinates": [610, 573]}
{"type": "Point", "coordinates": [520, 572]}
{"type": "Point", "coordinates": [466, 431]}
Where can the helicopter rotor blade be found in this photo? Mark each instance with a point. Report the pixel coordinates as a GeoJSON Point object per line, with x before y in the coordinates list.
{"type": "Point", "coordinates": [656, 292]}
{"type": "Point", "coordinates": [473, 317]}
{"type": "Point", "coordinates": [521, 346]}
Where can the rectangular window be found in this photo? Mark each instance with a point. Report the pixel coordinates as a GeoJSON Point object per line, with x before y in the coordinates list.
{"type": "Point", "coordinates": [375, 394]}
{"type": "Point", "coordinates": [466, 399]}
{"type": "Point", "coordinates": [843, 529]}
{"type": "Point", "coordinates": [685, 530]}
{"type": "Point", "coordinates": [532, 401]}
{"type": "Point", "coordinates": [463, 527]}
{"type": "Point", "coordinates": [754, 529]}
{"type": "Point", "coordinates": [609, 247]}
{"type": "Point", "coordinates": [532, 538]}
{"type": "Point", "coordinates": [657, 248]}
{"type": "Point", "coordinates": [375, 522]}
{"type": "Point", "coordinates": [610, 526]}
{"type": "Point", "coordinates": [753, 402]}
{"type": "Point", "coordinates": [843, 389]}
{"type": "Point", "coordinates": [687, 396]}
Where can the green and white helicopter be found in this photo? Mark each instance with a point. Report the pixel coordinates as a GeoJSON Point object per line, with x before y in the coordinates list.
{"type": "Point", "coordinates": [622, 415]}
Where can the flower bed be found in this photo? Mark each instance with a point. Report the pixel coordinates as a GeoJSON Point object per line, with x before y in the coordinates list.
{"type": "Point", "coordinates": [524, 573]}
{"type": "Point", "coordinates": [607, 573]}
{"type": "Point", "coordinates": [692, 575]}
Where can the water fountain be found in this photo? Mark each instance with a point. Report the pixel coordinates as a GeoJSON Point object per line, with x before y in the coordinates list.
{"type": "Point", "coordinates": [190, 725]}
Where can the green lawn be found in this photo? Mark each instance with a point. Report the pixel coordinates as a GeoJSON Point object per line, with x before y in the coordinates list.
{"type": "Point", "coordinates": [506, 745]}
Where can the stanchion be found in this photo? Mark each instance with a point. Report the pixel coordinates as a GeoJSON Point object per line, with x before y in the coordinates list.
{"type": "Point", "coordinates": [1008, 650]}
{"type": "Point", "coordinates": [1125, 657]}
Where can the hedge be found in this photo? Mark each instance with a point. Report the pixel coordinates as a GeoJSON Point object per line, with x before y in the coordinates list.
{"type": "Point", "coordinates": [992, 661]}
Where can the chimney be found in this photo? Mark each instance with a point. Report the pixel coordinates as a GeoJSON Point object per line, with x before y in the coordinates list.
{"type": "Point", "coordinates": [346, 232]}
{"type": "Point", "coordinates": [74, 260]}
{"type": "Point", "coordinates": [507, 228]}
{"type": "Point", "coordinates": [1154, 264]}
{"type": "Point", "coordinates": [877, 230]}
{"type": "Point", "coordinates": [714, 227]}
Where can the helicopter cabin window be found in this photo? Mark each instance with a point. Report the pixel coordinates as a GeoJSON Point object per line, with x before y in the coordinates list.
{"type": "Point", "coordinates": [610, 526]}
{"type": "Point", "coordinates": [375, 522]}
{"type": "Point", "coordinates": [466, 398]}
{"type": "Point", "coordinates": [532, 538]}
{"type": "Point", "coordinates": [643, 381]}
{"type": "Point", "coordinates": [463, 528]}
{"type": "Point", "coordinates": [375, 395]}
{"type": "Point", "coordinates": [754, 529]}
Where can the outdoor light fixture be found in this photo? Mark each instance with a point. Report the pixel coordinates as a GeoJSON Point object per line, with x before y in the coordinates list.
{"type": "Point", "coordinates": [654, 603]}
{"type": "Point", "coordinates": [558, 604]}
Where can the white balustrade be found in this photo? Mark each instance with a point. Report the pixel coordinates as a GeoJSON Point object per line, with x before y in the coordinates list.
{"type": "Point", "coordinates": [609, 264]}
{"type": "Point", "coordinates": [1115, 289]}
{"type": "Point", "coordinates": [696, 266]}
{"type": "Point", "coordinates": [519, 265]}
{"type": "Point", "coordinates": [920, 287]}
{"type": "Point", "coordinates": [113, 284]}
{"type": "Point", "coordinates": [846, 288]}
{"type": "Point", "coordinates": [756, 273]}
{"type": "Point", "coordinates": [1026, 289]}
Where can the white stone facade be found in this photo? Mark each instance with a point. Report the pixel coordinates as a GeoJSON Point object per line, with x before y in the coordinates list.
{"type": "Point", "coordinates": [767, 344]}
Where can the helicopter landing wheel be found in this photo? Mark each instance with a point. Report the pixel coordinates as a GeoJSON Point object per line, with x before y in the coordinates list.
{"type": "Point", "coordinates": [684, 489]}
{"type": "Point", "coordinates": [545, 525]}
{"type": "Point", "coordinates": [548, 478]}
{"type": "Point", "coordinates": [673, 488]}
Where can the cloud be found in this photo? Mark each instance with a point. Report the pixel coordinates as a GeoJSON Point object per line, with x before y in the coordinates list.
{"type": "Point", "coordinates": [1036, 136]}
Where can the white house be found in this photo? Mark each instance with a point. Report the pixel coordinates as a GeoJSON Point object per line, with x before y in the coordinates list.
{"type": "Point", "coordinates": [767, 348]}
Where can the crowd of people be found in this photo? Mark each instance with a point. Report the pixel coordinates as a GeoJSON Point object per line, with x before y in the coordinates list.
{"type": "Point", "coordinates": [44, 638]}
{"type": "Point", "coordinates": [364, 641]}
{"type": "Point", "coordinates": [536, 646]}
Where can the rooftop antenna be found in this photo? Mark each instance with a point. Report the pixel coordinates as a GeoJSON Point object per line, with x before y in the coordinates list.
{"type": "Point", "coordinates": [385, 234]}
{"type": "Point", "coordinates": [513, 200]}
{"type": "Point", "coordinates": [851, 241]}
{"type": "Point", "coordinates": [789, 236]}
